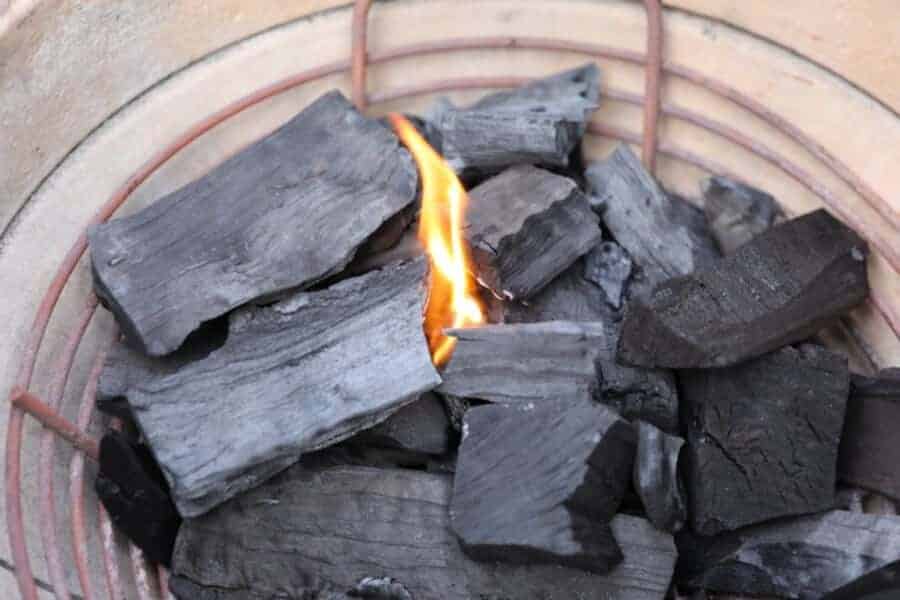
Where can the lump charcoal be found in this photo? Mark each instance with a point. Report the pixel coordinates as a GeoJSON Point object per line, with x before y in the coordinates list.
{"type": "Point", "coordinates": [539, 483]}
{"type": "Point", "coordinates": [292, 377]}
{"type": "Point", "coordinates": [736, 212]}
{"type": "Point", "coordinates": [777, 289]}
{"type": "Point", "coordinates": [526, 226]}
{"type": "Point", "coordinates": [803, 558]}
{"type": "Point", "coordinates": [325, 531]}
{"type": "Point", "coordinates": [881, 584]}
{"type": "Point", "coordinates": [762, 437]}
{"type": "Point", "coordinates": [608, 266]}
{"type": "Point", "coordinates": [288, 211]}
{"type": "Point", "coordinates": [421, 426]}
{"type": "Point", "coordinates": [656, 477]}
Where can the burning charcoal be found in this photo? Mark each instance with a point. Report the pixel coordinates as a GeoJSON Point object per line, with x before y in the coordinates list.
{"type": "Point", "coordinates": [540, 123]}
{"type": "Point", "coordinates": [664, 235]}
{"type": "Point", "coordinates": [881, 584]}
{"type": "Point", "coordinates": [656, 477]}
{"type": "Point", "coordinates": [317, 532]}
{"type": "Point", "coordinates": [763, 437]}
{"type": "Point", "coordinates": [421, 426]}
{"type": "Point", "coordinates": [288, 211]}
{"type": "Point", "coordinates": [134, 493]}
{"type": "Point", "coordinates": [777, 289]}
{"type": "Point", "coordinates": [526, 226]}
{"type": "Point", "coordinates": [802, 558]}
{"type": "Point", "coordinates": [736, 213]}
{"type": "Point", "coordinates": [609, 267]}
{"type": "Point", "coordinates": [524, 363]}
{"type": "Point", "coordinates": [292, 377]}
{"type": "Point", "coordinates": [539, 483]}
{"type": "Point", "coordinates": [869, 455]}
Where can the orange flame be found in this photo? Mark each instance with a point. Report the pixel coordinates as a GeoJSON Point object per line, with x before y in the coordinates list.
{"type": "Point", "coordinates": [451, 298]}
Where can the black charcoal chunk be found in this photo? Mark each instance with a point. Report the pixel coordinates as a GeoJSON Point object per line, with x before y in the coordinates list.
{"type": "Point", "coordinates": [736, 212]}
{"type": "Point", "coordinates": [525, 227]}
{"type": "Point", "coordinates": [609, 267]}
{"type": "Point", "coordinates": [135, 495]}
{"type": "Point", "coordinates": [763, 437]}
{"type": "Point", "coordinates": [539, 483]}
{"type": "Point", "coordinates": [292, 377]}
{"type": "Point", "coordinates": [777, 289]}
{"type": "Point", "coordinates": [287, 211]}
{"type": "Point", "coordinates": [320, 533]}
{"type": "Point", "coordinates": [802, 558]}
{"type": "Point", "coordinates": [656, 477]}
{"type": "Point", "coordinates": [539, 123]}
{"type": "Point", "coordinates": [664, 235]}
{"type": "Point", "coordinates": [421, 426]}
{"type": "Point", "coordinates": [882, 584]}
{"type": "Point", "coordinates": [869, 454]}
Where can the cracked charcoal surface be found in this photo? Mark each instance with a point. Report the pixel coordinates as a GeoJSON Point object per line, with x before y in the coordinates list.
{"type": "Point", "coordinates": [292, 377]}
{"type": "Point", "coordinates": [540, 482]}
{"type": "Point", "coordinates": [285, 535]}
{"type": "Point", "coordinates": [736, 213]}
{"type": "Point", "coordinates": [656, 477]}
{"type": "Point", "coordinates": [271, 218]}
{"type": "Point", "coordinates": [777, 289]}
{"type": "Point", "coordinates": [762, 437]}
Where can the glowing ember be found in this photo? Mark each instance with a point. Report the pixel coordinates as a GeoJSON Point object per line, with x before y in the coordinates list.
{"type": "Point", "coordinates": [451, 298]}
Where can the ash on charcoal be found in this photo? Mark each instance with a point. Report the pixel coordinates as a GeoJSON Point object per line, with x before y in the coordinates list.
{"type": "Point", "coordinates": [777, 289]}
{"type": "Point", "coordinates": [736, 213]}
{"type": "Point", "coordinates": [321, 531]}
{"type": "Point", "coordinates": [656, 477]}
{"type": "Point", "coordinates": [526, 226]}
{"type": "Point", "coordinates": [287, 211]}
{"type": "Point", "coordinates": [540, 482]}
{"type": "Point", "coordinates": [292, 377]}
{"type": "Point", "coordinates": [608, 266]}
{"type": "Point", "coordinates": [803, 558]}
{"type": "Point", "coordinates": [763, 437]}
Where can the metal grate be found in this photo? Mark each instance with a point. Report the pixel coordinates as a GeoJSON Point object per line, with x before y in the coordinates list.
{"type": "Point", "coordinates": [55, 425]}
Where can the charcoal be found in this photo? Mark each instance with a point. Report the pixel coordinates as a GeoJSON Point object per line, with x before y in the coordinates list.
{"type": "Point", "coordinates": [609, 267]}
{"type": "Point", "coordinates": [292, 377]}
{"type": "Point", "coordinates": [869, 455]}
{"type": "Point", "coordinates": [524, 363]}
{"type": "Point", "coordinates": [665, 236]}
{"type": "Point", "coordinates": [736, 213]}
{"type": "Point", "coordinates": [285, 212]}
{"type": "Point", "coordinates": [881, 584]}
{"type": "Point", "coordinates": [540, 123]}
{"type": "Point", "coordinates": [539, 483]}
{"type": "Point", "coordinates": [135, 495]}
{"type": "Point", "coordinates": [525, 227]}
{"type": "Point", "coordinates": [763, 437]}
{"type": "Point", "coordinates": [456, 409]}
{"type": "Point", "coordinates": [803, 558]}
{"type": "Point", "coordinates": [656, 477]}
{"type": "Point", "coordinates": [321, 533]}
{"type": "Point", "coordinates": [421, 426]}
{"type": "Point", "coordinates": [779, 288]}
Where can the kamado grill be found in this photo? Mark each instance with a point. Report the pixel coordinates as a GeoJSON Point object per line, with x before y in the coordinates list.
{"type": "Point", "coordinates": [39, 392]}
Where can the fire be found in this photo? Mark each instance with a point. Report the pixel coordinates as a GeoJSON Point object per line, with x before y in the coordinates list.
{"type": "Point", "coordinates": [451, 296]}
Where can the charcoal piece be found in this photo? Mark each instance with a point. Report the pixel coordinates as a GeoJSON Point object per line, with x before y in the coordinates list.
{"type": "Point", "coordinates": [134, 494]}
{"type": "Point", "coordinates": [665, 236]}
{"type": "Point", "coordinates": [869, 454]}
{"type": "Point", "coordinates": [656, 477]}
{"type": "Point", "coordinates": [736, 213]}
{"type": "Point", "coordinates": [456, 409]}
{"type": "Point", "coordinates": [539, 483]}
{"type": "Point", "coordinates": [525, 227]}
{"type": "Point", "coordinates": [421, 426]}
{"type": "Point", "coordinates": [777, 289]}
{"type": "Point", "coordinates": [881, 584]}
{"type": "Point", "coordinates": [324, 531]}
{"type": "Point", "coordinates": [287, 211]}
{"type": "Point", "coordinates": [539, 123]}
{"type": "Point", "coordinates": [609, 267]}
{"type": "Point", "coordinates": [292, 377]}
{"type": "Point", "coordinates": [803, 558]}
{"type": "Point", "coordinates": [530, 362]}
{"type": "Point", "coordinates": [763, 437]}
{"type": "Point", "coordinates": [380, 588]}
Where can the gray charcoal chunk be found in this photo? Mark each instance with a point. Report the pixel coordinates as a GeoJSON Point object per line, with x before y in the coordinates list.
{"type": "Point", "coordinates": [288, 211]}
{"type": "Point", "coordinates": [763, 437]}
{"type": "Point", "coordinates": [736, 212]}
{"type": "Point", "coordinates": [319, 533]}
{"type": "Point", "coordinates": [656, 478]}
{"type": "Point", "coordinates": [292, 377]}
{"type": "Point", "coordinates": [777, 289]}
{"type": "Point", "coordinates": [608, 266]}
{"type": "Point", "coordinates": [421, 426]}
